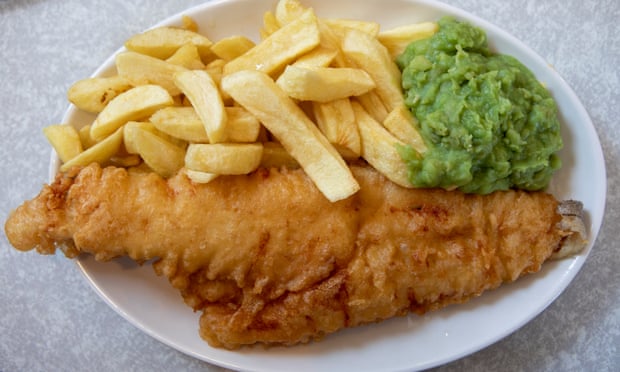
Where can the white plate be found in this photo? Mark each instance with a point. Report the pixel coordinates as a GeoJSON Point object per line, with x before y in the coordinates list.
{"type": "Point", "coordinates": [411, 342]}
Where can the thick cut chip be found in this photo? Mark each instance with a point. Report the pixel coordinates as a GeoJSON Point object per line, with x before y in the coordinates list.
{"type": "Point", "coordinates": [98, 153]}
{"type": "Point", "coordinates": [216, 70]}
{"type": "Point", "coordinates": [402, 124]}
{"type": "Point", "coordinates": [198, 176]}
{"type": "Point", "coordinates": [93, 94]}
{"type": "Point", "coordinates": [232, 47]}
{"type": "Point", "coordinates": [131, 148]}
{"type": "Point", "coordinates": [301, 138]}
{"type": "Point", "coordinates": [270, 25]}
{"type": "Point", "coordinates": [331, 41]}
{"type": "Point", "coordinates": [162, 42]}
{"type": "Point", "coordinates": [224, 158]}
{"type": "Point", "coordinates": [141, 69]}
{"type": "Point", "coordinates": [242, 126]}
{"type": "Point", "coordinates": [65, 139]}
{"type": "Point", "coordinates": [136, 103]}
{"type": "Point", "coordinates": [187, 56]}
{"type": "Point", "coordinates": [130, 137]}
{"type": "Point", "coordinates": [367, 53]}
{"type": "Point", "coordinates": [162, 156]}
{"type": "Point", "coordinates": [288, 10]}
{"type": "Point", "coordinates": [379, 148]}
{"type": "Point", "coordinates": [180, 122]}
{"type": "Point", "coordinates": [397, 39]}
{"type": "Point", "coordinates": [341, 26]}
{"type": "Point", "coordinates": [189, 23]}
{"type": "Point", "coordinates": [280, 48]}
{"type": "Point", "coordinates": [324, 84]}
{"type": "Point", "coordinates": [203, 93]}
{"type": "Point", "coordinates": [336, 120]}
{"type": "Point", "coordinates": [85, 138]}
{"type": "Point", "coordinates": [184, 123]}
{"type": "Point", "coordinates": [373, 105]}
{"type": "Point", "coordinates": [317, 57]}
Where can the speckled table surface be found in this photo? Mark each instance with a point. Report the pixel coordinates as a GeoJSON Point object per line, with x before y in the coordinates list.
{"type": "Point", "coordinates": [50, 318]}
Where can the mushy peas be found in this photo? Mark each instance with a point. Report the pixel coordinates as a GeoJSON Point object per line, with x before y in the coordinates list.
{"type": "Point", "coordinates": [488, 123]}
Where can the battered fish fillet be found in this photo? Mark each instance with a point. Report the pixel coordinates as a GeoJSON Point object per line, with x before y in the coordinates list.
{"type": "Point", "coordinates": [267, 259]}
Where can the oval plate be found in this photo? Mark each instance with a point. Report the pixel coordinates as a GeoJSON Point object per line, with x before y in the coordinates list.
{"type": "Point", "coordinates": [405, 343]}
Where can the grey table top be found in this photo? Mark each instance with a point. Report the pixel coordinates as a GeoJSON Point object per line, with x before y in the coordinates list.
{"type": "Point", "coordinates": [51, 320]}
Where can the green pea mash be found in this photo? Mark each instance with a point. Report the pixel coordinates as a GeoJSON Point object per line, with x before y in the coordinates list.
{"type": "Point", "coordinates": [488, 123]}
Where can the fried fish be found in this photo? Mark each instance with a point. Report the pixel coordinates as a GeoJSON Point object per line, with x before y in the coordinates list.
{"type": "Point", "coordinates": [266, 258]}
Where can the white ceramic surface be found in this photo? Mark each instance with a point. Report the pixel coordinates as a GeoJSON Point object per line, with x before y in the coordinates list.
{"type": "Point", "coordinates": [411, 342]}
